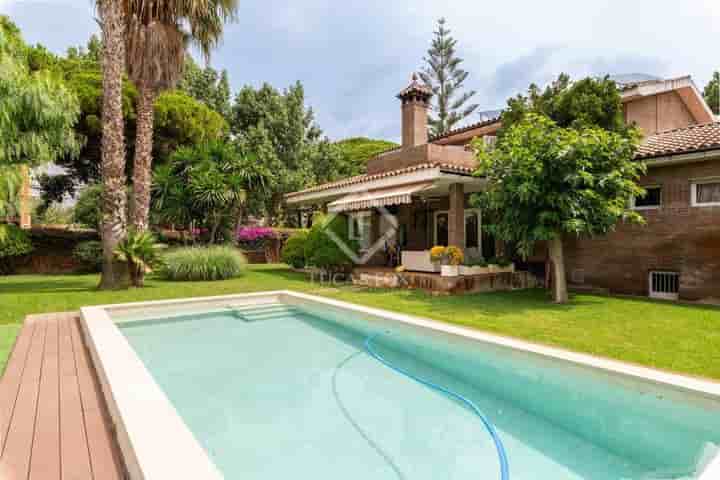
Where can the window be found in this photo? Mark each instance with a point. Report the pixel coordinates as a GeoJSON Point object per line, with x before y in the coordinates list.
{"type": "Point", "coordinates": [665, 285]}
{"type": "Point", "coordinates": [360, 227]}
{"type": "Point", "coordinates": [652, 199]}
{"type": "Point", "coordinates": [705, 193]}
{"type": "Point", "coordinates": [441, 228]}
{"type": "Point", "coordinates": [472, 228]}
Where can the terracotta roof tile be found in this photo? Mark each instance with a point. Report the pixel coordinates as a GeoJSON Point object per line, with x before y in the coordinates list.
{"type": "Point", "coordinates": [472, 126]}
{"type": "Point", "coordinates": [682, 140]}
{"type": "Point", "coordinates": [391, 173]}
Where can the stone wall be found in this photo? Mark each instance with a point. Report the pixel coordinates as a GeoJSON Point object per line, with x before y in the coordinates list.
{"type": "Point", "coordinates": [435, 283]}
{"type": "Point", "coordinates": [53, 250]}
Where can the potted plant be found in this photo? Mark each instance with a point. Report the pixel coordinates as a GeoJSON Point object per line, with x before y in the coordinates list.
{"type": "Point", "coordinates": [505, 266]}
{"type": "Point", "coordinates": [453, 259]}
{"type": "Point", "coordinates": [437, 255]}
{"type": "Point", "coordinates": [476, 266]}
{"type": "Point", "coordinates": [501, 265]}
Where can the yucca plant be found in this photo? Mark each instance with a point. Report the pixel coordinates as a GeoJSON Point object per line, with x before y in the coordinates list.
{"type": "Point", "coordinates": [141, 252]}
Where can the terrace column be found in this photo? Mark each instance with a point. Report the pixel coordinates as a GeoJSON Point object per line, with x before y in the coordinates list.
{"type": "Point", "coordinates": [456, 216]}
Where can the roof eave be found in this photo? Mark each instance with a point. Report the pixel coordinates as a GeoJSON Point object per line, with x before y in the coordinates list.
{"type": "Point", "coordinates": [700, 155]}
{"type": "Point", "coordinates": [433, 173]}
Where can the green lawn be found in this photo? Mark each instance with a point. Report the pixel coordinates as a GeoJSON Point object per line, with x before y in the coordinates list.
{"type": "Point", "coordinates": [668, 336]}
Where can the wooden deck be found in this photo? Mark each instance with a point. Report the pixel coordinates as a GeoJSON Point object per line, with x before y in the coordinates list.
{"type": "Point", "coordinates": [53, 419]}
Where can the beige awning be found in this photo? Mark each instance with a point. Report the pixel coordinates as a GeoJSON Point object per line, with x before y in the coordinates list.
{"type": "Point", "coordinates": [378, 198]}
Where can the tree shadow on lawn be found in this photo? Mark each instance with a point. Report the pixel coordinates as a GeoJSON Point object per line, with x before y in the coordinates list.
{"type": "Point", "coordinates": [55, 284]}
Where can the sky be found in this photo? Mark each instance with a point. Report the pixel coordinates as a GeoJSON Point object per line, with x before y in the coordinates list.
{"type": "Point", "coordinates": [354, 56]}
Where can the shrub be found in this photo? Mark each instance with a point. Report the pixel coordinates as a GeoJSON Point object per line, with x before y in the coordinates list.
{"type": "Point", "coordinates": [254, 238]}
{"type": "Point", "coordinates": [293, 253]}
{"type": "Point", "coordinates": [14, 242]}
{"type": "Point", "coordinates": [89, 255]}
{"type": "Point", "coordinates": [203, 263]}
{"type": "Point", "coordinates": [325, 252]}
{"type": "Point", "coordinates": [141, 253]}
{"type": "Point", "coordinates": [504, 262]}
{"type": "Point", "coordinates": [88, 205]}
{"type": "Point", "coordinates": [54, 215]}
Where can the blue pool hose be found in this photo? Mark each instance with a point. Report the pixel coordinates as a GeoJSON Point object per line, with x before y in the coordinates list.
{"type": "Point", "coordinates": [504, 469]}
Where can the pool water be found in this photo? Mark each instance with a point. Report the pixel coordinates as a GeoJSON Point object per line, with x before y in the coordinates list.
{"type": "Point", "coordinates": [289, 392]}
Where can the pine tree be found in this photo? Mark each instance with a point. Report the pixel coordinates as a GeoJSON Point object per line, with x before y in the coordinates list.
{"type": "Point", "coordinates": [444, 76]}
{"type": "Point", "coordinates": [712, 93]}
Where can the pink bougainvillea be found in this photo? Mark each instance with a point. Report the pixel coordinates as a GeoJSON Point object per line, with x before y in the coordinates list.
{"type": "Point", "coordinates": [254, 237]}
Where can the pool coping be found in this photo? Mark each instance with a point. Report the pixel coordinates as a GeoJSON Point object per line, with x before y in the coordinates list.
{"type": "Point", "coordinates": [151, 453]}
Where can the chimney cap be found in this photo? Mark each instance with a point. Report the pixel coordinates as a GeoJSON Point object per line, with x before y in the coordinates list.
{"type": "Point", "coordinates": [415, 89]}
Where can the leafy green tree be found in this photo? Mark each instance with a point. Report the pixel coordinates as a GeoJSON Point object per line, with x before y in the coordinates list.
{"type": "Point", "coordinates": [712, 93]}
{"type": "Point", "coordinates": [443, 75]}
{"type": "Point", "coordinates": [37, 111]}
{"type": "Point", "coordinates": [282, 133]}
{"type": "Point", "coordinates": [11, 179]}
{"type": "Point", "coordinates": [155, 42]}
{"type": "Point", "coordinates": [205, 186]}
{"type": "Point", "coordinates": [87, 207]}
{"type": "Point", "coordinates": [14, 242]}
{"type": "Point", "coordinates": [206, 85]}
{"type": "Point", "coordinates": [357, 151]}
{"type": "Point", "coordinates": [587, 102]}
{"type": "Point", "coordinates": [545, 182]}
{"type": "Point", "coordinates": [182, 121]}
{"type": "Point", "coordinates": [90, 53]}
{"type": "Point", "coordinates": [179, 121]}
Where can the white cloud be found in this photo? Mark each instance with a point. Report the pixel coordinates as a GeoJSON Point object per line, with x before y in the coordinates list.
{"type": "Point", "coordinates": [354, 56]}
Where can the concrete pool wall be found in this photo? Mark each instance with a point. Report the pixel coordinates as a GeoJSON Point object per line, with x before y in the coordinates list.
{"type": "Point", "coordinates": [154, 440]}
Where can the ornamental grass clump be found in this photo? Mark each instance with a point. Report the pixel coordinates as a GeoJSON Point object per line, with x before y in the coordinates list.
{"type": "Point", "coordinates": [203, 263]}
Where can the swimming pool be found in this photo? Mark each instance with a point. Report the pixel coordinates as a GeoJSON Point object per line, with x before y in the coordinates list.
{"type": "Point", "coordinates": [282, 385]}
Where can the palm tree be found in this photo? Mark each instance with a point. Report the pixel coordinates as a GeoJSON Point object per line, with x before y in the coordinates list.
{"type": "Point", "coordinates": [158, 32]}
{"type": "Point", "coordinates": [112, 21]}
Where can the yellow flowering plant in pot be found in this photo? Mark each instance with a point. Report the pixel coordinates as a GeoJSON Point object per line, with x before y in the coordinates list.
{"type": "Point", "coordinates": [452, 258]}
{"type": "Point", "coordinates": [437, 254]}
{"type": "Point", "coordinates": [454, 255]}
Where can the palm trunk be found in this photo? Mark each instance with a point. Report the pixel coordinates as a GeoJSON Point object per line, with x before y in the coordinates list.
{"type": "Point", "coordinates": [114, 273]}
{"type": "Point", "coordinates": [560, 293]}
{"type": "Point", "coordinates": [142, 168]}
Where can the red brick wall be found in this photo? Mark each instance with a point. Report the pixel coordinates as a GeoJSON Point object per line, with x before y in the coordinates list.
{"type": "Point", "coordinates": [677, 237]}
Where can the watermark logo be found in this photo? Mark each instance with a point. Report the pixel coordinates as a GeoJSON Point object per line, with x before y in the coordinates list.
{"type": "Point", "coordinates": [363, 256]}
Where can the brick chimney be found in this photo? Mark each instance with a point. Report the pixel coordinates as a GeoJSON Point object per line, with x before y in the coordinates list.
{"type": "Point", "coordinates": [415, 100]}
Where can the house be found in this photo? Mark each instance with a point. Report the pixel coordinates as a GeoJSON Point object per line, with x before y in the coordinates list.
{"type": "Point", "coordinates": [417, 196]}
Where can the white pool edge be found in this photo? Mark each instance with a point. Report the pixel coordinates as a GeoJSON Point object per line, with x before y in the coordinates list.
{"type": "Point", "coordinates": [152, 436]}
